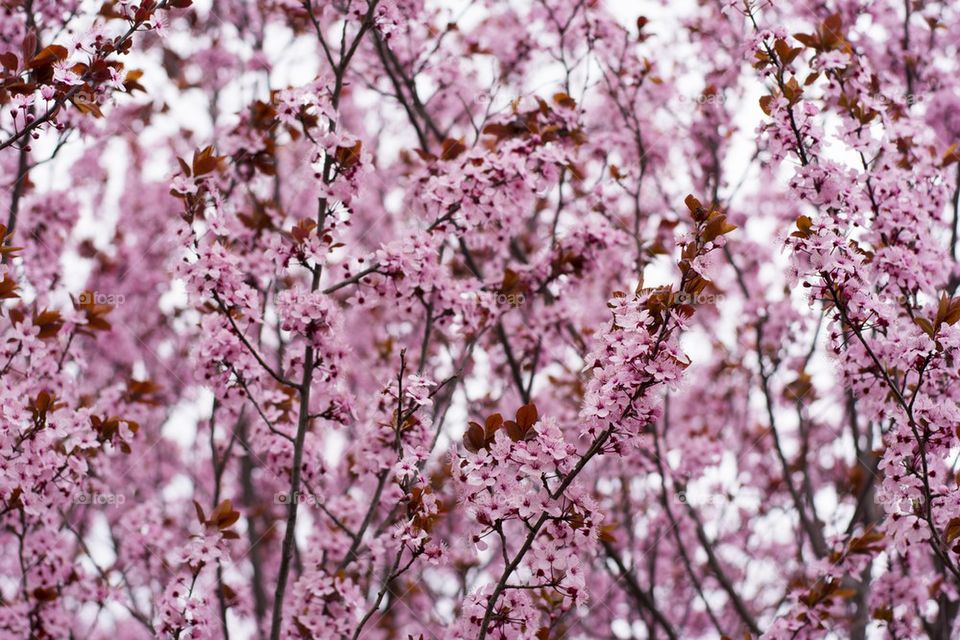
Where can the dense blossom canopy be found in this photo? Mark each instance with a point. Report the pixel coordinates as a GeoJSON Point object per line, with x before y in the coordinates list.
{"type": "Point", "coordinates": [476, 319]}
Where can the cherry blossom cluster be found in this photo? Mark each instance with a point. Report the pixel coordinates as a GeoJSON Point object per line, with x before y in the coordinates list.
{"type": "Point", "coordinates": [389, 319]}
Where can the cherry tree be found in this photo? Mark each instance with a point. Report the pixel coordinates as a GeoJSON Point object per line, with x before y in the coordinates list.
{"type": "Point", "coordinates": [479, 320]}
